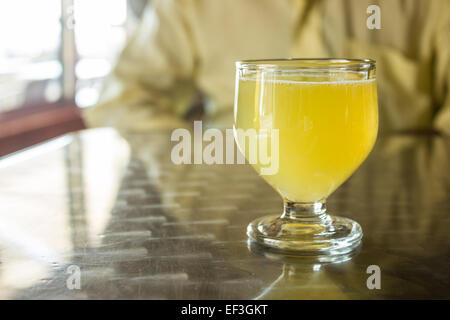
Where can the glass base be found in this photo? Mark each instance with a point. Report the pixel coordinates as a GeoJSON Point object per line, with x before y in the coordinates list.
{"type": "Point", "coordinates": [330, 235]}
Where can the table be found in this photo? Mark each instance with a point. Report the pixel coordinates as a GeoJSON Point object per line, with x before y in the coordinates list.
{"type": "Point", "coordinates": [100, 215]}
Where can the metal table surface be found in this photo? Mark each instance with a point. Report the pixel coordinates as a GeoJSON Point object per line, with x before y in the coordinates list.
{"type": "Point", "coordinates": [115, 211]}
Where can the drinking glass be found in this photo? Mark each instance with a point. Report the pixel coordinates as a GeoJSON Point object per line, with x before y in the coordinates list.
{"type": "Point", "coordinates": [305, 125]}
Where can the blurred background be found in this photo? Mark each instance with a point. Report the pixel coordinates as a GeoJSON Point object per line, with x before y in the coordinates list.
{"type": "Point", "coordinates": [54, 56]}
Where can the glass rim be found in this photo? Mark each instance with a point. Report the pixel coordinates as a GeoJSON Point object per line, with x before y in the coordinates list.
{"type": "Point", "coordinates": [323, 64]}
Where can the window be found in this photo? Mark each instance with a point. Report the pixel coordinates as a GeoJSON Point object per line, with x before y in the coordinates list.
{"type": "Point", "coordinates": [54, 56]}
{"type": "Point", "coordinates": [100, 33]}
{"type": "Point", "coordinates": [30, 68]}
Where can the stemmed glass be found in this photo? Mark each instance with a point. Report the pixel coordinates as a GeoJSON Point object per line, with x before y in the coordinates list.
{"type": "Point", "coordinates": [306, 125]}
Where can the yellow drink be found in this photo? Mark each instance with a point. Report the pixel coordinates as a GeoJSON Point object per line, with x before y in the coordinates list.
{"type": "Point", "coordinates": [326, 129]}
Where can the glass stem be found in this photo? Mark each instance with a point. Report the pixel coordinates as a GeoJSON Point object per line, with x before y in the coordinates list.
{"type": "Point", "coordinates": [306, 212]}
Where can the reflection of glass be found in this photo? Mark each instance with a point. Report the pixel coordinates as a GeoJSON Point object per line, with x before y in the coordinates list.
{"type": "Point", "coordinates": [302, 277]}
{"type": "Point", "coordinates": [324, 114]}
